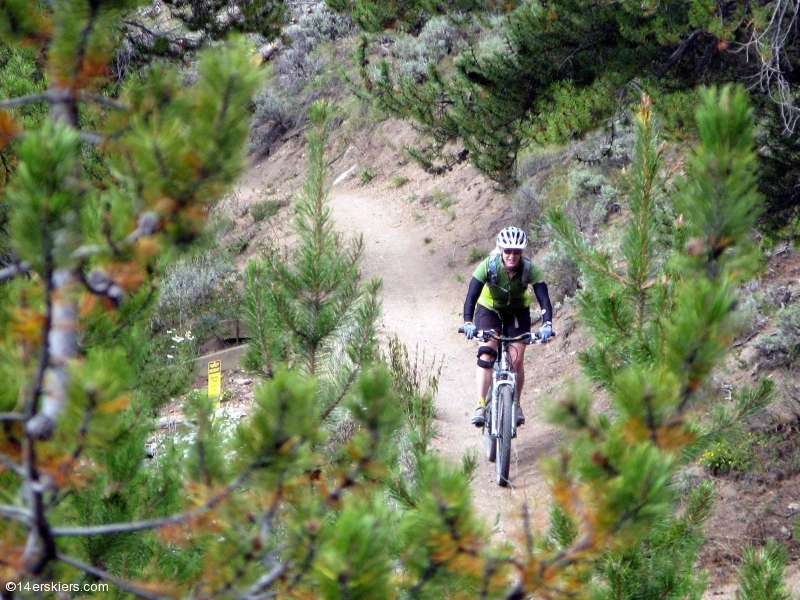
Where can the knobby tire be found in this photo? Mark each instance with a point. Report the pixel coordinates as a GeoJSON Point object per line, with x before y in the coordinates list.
{"type": "Point", "coordinates": [505, 406]}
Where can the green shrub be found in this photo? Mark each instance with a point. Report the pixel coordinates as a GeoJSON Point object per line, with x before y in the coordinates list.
{"type": "Point", "coordinates": [612, 146]}
{"type": "Point", "coordinates": [528, 209]}
{"type": "Point", "coordinates": [781, 347]}
{"type": "Point", "coordinates": [475, 254]}
{"type": "Point", "coordinates": [447, 202]}
{"type": "Point", "coordinates": [398, 181]}
{"type": "Point", "coordinates": [366, 176]}
{"type": "Point", "coordinates": [297, 63]}
{"type": "Point", "coordinates": [221, 225]}
{"type": "Point", "coordinates": [270, 107]}
{"type": "Point", "coordinates": [165, 365]}
{"type": "Point", "coordinates": [238, 245]}
{"type": "Point", "coordinates": [265, 209]}
{"type": "Point", "coordinates": [439, 38]}
{"type": "Point", "coordinates": [591, 199]}
{"type": "Point", "coordinates": [439, 198]}
{"type": "Point", "coordinates": [416, 382]}
{"type": "Point", "coordinates": [273, 116]}
{"type": "Point", "coordinates": [561, 274]}
{"type": "Point", "coordinates": [729, 455]}
{"type": "Point", "coordinates": [200, 285]}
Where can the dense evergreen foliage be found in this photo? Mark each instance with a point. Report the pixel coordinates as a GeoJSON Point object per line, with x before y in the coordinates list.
{"type": "Point", "coordinates": [176, 29]}
{"type": "Point", "coordinates": [552, 71]}
{"type": "Point", "coordinates": [408, 15]}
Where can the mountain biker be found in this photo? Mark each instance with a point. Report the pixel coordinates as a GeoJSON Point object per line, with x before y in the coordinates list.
{"type": "Point", "coordinates": [499, 286]}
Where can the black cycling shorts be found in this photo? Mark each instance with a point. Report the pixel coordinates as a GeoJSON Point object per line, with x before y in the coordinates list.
{"type": "Point", "coordinates": [511, 323]}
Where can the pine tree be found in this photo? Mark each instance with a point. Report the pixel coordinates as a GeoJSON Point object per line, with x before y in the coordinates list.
{"type": "Point", "coordinates": [85, 254]}
{"type": "Point", "coordinates": [312, 309]}
{"type": "Point", "coordinates": [638, 315]}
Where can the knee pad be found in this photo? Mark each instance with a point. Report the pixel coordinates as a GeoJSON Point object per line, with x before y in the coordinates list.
{"type": "Point", "coordinates": [486, 364]}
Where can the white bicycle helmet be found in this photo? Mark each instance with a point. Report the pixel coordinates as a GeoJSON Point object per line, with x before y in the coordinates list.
{"type": "Point", "coordinates": [512, 238]}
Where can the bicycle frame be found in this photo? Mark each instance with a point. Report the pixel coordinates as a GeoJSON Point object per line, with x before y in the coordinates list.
{"type": "Point", "coordinates": [503, 375]}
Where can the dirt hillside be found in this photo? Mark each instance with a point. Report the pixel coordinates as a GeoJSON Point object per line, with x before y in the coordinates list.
{"type": "Point", "coordinates": [420, 232]}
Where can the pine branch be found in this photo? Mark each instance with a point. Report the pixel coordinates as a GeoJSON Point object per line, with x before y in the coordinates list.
{"type": "Point", "coordinates": [255, 310]}
{"type": "Point", "coordinates": [56, 95]}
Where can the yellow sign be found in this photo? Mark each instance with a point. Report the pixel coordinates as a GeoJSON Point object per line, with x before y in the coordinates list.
{"type": "Point", "coordinates": [215, 381]}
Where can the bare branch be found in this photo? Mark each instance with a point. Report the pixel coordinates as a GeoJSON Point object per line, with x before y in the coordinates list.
{"type": "Point", "coordinates": [675, 57]}
{"type": "Point", "coordinates": [770, 46]}
{"type": "Point", "coordinates": [62, 343]}
{"type": "Point", "coordinates": [12, 416]}
{"type": "Point", "coordinates": [15, 513]}
{"type": "Point", "coordinates": [11, 465]}
{"type": "Point", "coordinates": [14, 270]}
{"type": "Point", "coordinates": [147, 224]}
{"type": "Point", "coordinates": [91, 138]}
{"type": "Point", "coordinates": [103, 101]}
{"type": "Point", "coordinates": [125, 586]}
{"type": "Point", "coordinates": [265, 581]}
{"type": "Point", "coordinates": [100, 283]}
{"type": "Point", "coordinates": [23, 100]}
{"type": "Point", "coordinates": [140, 26]}
{"type": "Point", "coordinates": [150, 523]}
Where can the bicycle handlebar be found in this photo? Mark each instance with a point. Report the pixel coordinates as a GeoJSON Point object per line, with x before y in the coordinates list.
{"type": "Point", "coordinates": [491, 334]}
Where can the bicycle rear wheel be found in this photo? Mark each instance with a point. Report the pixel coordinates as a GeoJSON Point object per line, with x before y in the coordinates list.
{"type": "Point", "coordinates": [505, 406]}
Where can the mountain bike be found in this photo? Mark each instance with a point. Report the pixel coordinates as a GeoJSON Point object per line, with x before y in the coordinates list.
{"type": "Point", "coordinates": [501, 417]}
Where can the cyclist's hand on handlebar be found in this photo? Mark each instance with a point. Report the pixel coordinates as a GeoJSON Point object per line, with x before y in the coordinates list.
{"type": "Point", "coordinates": [545, 332]}
{"type": "Point", "coordinates": [469, 330]}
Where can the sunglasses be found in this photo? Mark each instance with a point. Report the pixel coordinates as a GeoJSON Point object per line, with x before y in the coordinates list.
{"type": "Point", "coordinates": [512, 252]}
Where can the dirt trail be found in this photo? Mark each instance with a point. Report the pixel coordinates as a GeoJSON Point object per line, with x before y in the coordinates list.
{"type": "Point", "coordinates": [422, 304]}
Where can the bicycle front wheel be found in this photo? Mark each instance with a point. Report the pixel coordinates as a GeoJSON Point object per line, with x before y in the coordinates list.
{"type": "Point", "coordinates": [505, 405]}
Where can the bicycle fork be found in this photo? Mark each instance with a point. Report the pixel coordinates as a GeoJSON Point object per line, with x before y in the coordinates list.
{"type": "Point", "coordinates": [500, 379]}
